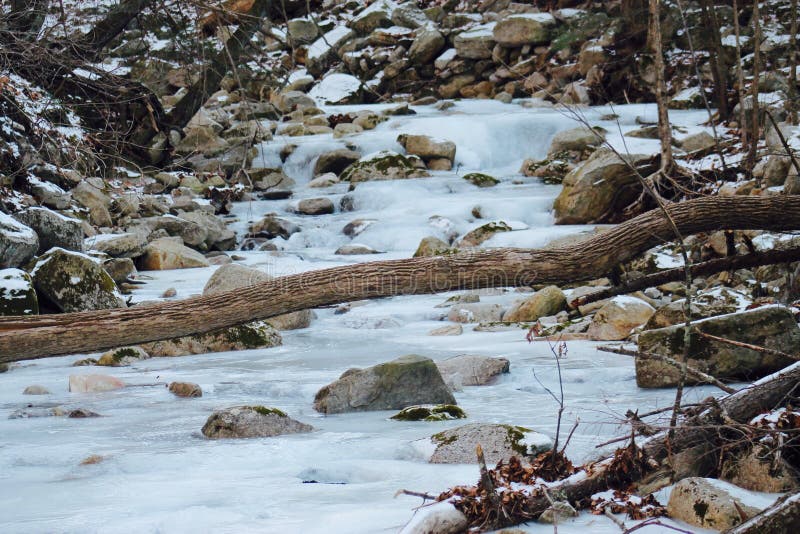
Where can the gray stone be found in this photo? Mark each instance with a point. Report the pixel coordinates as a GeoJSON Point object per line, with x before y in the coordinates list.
{"type": "Point", "coordinates": [547, 301]}
{"type": "Point", "coordinates": [127, 245]}
{"type": "Point", "coordinates": [302, 31]}
{"type": "Point", "coordinates": [524, 29]}
{"type": "Point", "coordinates": [704, 503]}
{"type": "Point", "coordinates": [315, 206]}
{"type": "Point", "coordinates": [426, 47]}
{"type": "Point", "coordinates": [427, 148]}
{"type": "Point", "coordinates": [499, 442]}
{"type": "Point", "coordinates": [575, 140]}
{"type": "Point", "coordinates": [475, 313]}
{"type": "Point", "coordinates": [18, 242]}
{"type": "Point", "coordinates": [272, 226]}
{"type": "Point", "coordinates": [17, 294]}
{"type": "Point", "coordinates": [36, 390]}
{"type": "Point", "coordinates": [355, 249]}
{"type": "Point", "coordinates": [406, 381]}
{"type": "Point", "coordinates": [335, 161]}
{"type": "Point", "coordinates": [255, 335]}
{"type": "Point", "coordinates": [471, 370]}
{"type": "Point", "coordinates": [384, 165]}
{"type": "Point", "coordinates": [475, 43]}
{"type": "Point", "coordinates": [475, 237]}
{"type": "Point", "coordinates": [251, 422]}
{"type": "Point", "coordinates": [170, 253]}
{"type": "Point", "coordinates": [432, 246]}
{"type": "Point", "coordinates": [123, 356]}
{"type": "Point", "coordinates": [53, 229]}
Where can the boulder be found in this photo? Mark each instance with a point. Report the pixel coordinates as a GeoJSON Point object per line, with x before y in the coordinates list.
{"type": "Point", "coordinates": [18, 242]}
{"type": "Point", "coordinates": [90, 196]}
{"type": "Point", "coordinates": [475, 43]}
{"type": "Point", "coordinates": [53, 229]}
{"type": "Point", "coordinates": [119, 269]}
{"type": "Point", "coordinates": [471, 370]}
{"type": "Point", "coordinates": [289, 101]}
{"type": "Point", "coordinates": [600, 187]}
{"type": "Point", "coordinates": [251, 422]}
{"type": "Point", "coordinates": [621, 314]}
{"type": "Point", "coordinates": [322, 52]}
{"type": "Point", "coordinates": [337, 88]}
{"type": "Point", "coordinates": [448, 330]}
{"type": "Point", "coordinates": [272, 226]}
{"type": "Point", "coordinates": [575, 140]}
{"type": "Point", "coordinates": [36, 390]}
{"type": "Point", "coordinates": [354, 249]}
{"type": "Point", "coordinates": [475, 237]}
{"type": "Point", "coordinates": [547, 301]}
{"type": "Point", "coordinates": [481, 180]}
{"type": "Point", "coordinates": [698, 142]}
{"type": "Point", "coordinates": [773, 327]}
{"type": "Point", "coordinates": [122, 356]}
{"type": "Point", "coordinates": [705, 503]}
{"type": "Point", "coordinates": [426, 46]}
{"type": "Point", "coordinates": [74, 282]}
{"type": "Point", "coordinates": [335, 161]}
{"type": "Point", "coordinates": [302, 30]}
{"type": "Point", "coordinates": [758, 469]}
{"type": "Point", "coordinates": [383, 165]}
{"type": "Point", "coordinates": [439, 518]}
{"type": "Point", "coordinates": [218, 235]}
{"type": "Point", "coordinates": [343, 129]}
{"type": "Point", "coordinates": [185, 389]}
{"type": "Point", "coordinates": [192, 233]}
{"type": "Point", "coordinates": [314, 206]}
{"type": "Point", "coordinates": [94, 383]}
{"type": "Point", "coordinates": [255, 335]}
{"type": "Point", "coordinates": [408, 15]}
{"type": "Point", "coordinates": [524, 29]}
{"type": "Point", "coordinates": [324, 180]}
{"type": "Point", "coordinates": [17, 294]}
{"type": "Point", "coordinates": [427, 147]}
{"type": "Point", "coordinates": [475, 313]}
{"type": "Point", "coordinates": [127, 245]}
{"type": "Point", "coordinates": [170, 253]}
{"type": "Point", "coordinates": [377, 15]}
{"type": "Point", "coordinates": [432, 246]}
{"type": "Point", "coordinates": [393, 385]}
{"type": "Point", "coordinates": [499, 442]}
{"type": "Point", "coordinates": [438, 412]}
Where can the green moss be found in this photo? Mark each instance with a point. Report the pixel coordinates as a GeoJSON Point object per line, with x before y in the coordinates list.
{"type": "Point", "coordinates": [443, 439]}
{"type": "Point", "coordinates": [481, 180]}
{"type": "Point", "coordinates": [515, 435]}
{"type": "Point", "coordinates": [263, 410]}
{"type": "Point", "coordinates": [125, 352]}
{"type": "Point", "coordinates": [440, 412]}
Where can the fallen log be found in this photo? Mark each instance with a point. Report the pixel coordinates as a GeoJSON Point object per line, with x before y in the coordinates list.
{"type": "Point", "coordinates": [783, 517]}
{"type": "Point", "coordinates": [30, 337]}
{"type": "Point", "coordinates": [706, 428]}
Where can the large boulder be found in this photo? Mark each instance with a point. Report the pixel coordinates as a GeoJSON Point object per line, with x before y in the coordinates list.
{"type": "Point", "coordinates": [383, 165]}
{"type": "Point", "coordinates": [53, 229]}
{"type": "Point", "coordinates": [74, 282]}
{"type": "Point", "coordinates": [17, 294]}
{"type": "Point", "coordinates": [94, 383]}
{"type": "Point", "coordinates": [170, 253]}
{"type": "Point", "coordinates": [290, 100]}
{"type": "Point", "coordinates": [599, 188]}
{"type": "Point", "coordinates": [251, 422]}
{"type": "Point", "coordinates": [234, 276]}
{"type": "Point", "coordinates": [337, 88]}
{"type": "Point", "coordinates": [18, 242]}
{"type": "Point", "coordinates": [432, 246]}
{"type": "Point", "coordinates": [426, 47]}
{"type": "Point", "coordinates": [302, 30]}
{"type": "Point", "coordinates": [272, 226]}
{"type": "Point", "coordinates": [255, 335]}
{"type": "Point", "coordinates": [127, 245]}
{"type": "Point", "coordinates": [499, 442]}
{"type": "Point", "coordinates": [427, 147]}
{"type": "Point", "coordinates": [377, 15]}
{"type": "Point", "coordinates": [479, 312]}
{"type": "Point", "coordinates": [773, 327]}
{"type": "Point", "coordinates": [323, 51]}
{"type": "Point", "coordinates": [406, 381]}
{"type": "Point", "coordinates": [547, 301]}
{"type": "Point", "coordinates": [574, 140]}
{"type": "Point", "coordinates": [471, 370]}
{"type": "Point", "coordinates": [524, 29]}
{"type": "Point", "coordinates": [706, 503]}
{"type": "Point", "coordinates": [218, 235]}
{"type": "Point", "coordinates": [475, 43]}
{"type": "Point", "coordinates": [615, 320]}
{"type": "Point", "coordinates": [92, 197]}
{"type": "Point", "coordinates": [760, 468]}
{"type": "Point", "coordinates": [335, 161]}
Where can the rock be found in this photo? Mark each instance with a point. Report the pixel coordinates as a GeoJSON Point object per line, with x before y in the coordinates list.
{"type": "Point", "coordinates": [438, 518]}
{"type": "Point", "coordinates": [483, 233]}
{"type": "Point", "coordinates": [266, 179]}
{"type": "Point", "coordinates": [192, 233]}
{"type": "Point", "coordinates": [337, 88]}
{"type": "Point", "coordinates": [357, 226]}
{"type": "Point", "coordinates": [481, 180]}
{"type": "Point", "coordinates": [324, 180]}
{"type": "Point", "coordinates": [575, 140]}
{"type": "Point", "coordinates": [475, 43]}
{"type": "Point", "coordinates": [773, 327]}
{"type": "Point", "coordinates": [427, 148]}
{"type": "Point", "coordinates": [119, 269]}
{"type": "Point", "coordinates": [377, 15]}
{"type": "Point", "coordinates": [170, 253]}
{"type": "Point", "coordinates": [432, 246]}
{"type": "Point", "coordinates": [272, 226]}
{"type": "Point", "coordinates": [95, 200]}
{"type": "Point", "coordinates": [621, 314]}
{"type": "Point", "coordinates": [53, 229]}
{"type": "Point", "coordinates": [524, 29]}
{"type": "Point", "coordinates": [302, 31]}
{"type": "Point", "coordinates": [426, 47]}
{"type": "Point", "coordinates": [18, 242]}
{"type": "Point", "coordinates": [409, 15]}
{"type": "Point", "coordinates": [255, 335]}
{"type": "Point", "coordinates": [368, 120]}
{"type": "Point", "coordinates": [17, 294]}
{"type": "Point", "coordinates": [394, 385]}
{"type": "Point", "coordinates": [557, 513]}
{"type": "Point", "coordinates": [344, 129]}
{"type": "Point", "coordinates": [439, 412]}
{"type": "Point", "coordinates": [94, 383]}
{"type": "Point", "coordinates": [128, 245]}
{"type": "Point", "coordinates": [57, 411]}
{"type": "Point", "coordinates": [703, 503]}
{"type": "Point", "coordinates": [547, 301]}
{"type": "Point", "coordinates": [449, 330]}
{"type": "Point", "coordinates": [776, 169]}
{"type": "Point", "coordinates": [698, 142]}
{"type": "Point", "coordinates": [335, 161]}
{"type": "Point", "coordinates": [36, 390]}
{"type": "Point", "coordinates": [384, 165]}
{"type": "Point", "coordinates": [453, 87]}
{"type": "Point", "coordinates": [599, 188]}
{"type": "Point", "coordinates": [218, 235]}
{"type": "Point", "coordinates": [185, 389]}
{"type": "Point", "coordinates": [234, 276]}
{"type": "Point", "coordinates": [252, 422]}
{"type": "Point", "coordinates": [757, 469]}
{"type": "Point", "coordinates": [123, 356]}
{"type": "Point", "coordinates": [290, 100]}
{"type": "Point", "coordinates": [471, 370]}
{"type": "Point", "coordinates": [314, 206]}
{"type": "Point", "coordinates": [355, 249]}
{"type": "Point", "coordinates": [475, 313]}
{"type": "Point", "coordinates": [322, 52]}
{"type": "Point", "coordinates": [499, 442]}
{"type": "Point", "coordinates": [74, 282]}
{"type": "Point", "coordinates": [591, 54]}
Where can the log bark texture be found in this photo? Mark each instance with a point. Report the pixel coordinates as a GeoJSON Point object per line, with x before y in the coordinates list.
{"type": "Point", "coordinates": [783, 517]}
{"type": "Point", "coordinates": [31, 337]}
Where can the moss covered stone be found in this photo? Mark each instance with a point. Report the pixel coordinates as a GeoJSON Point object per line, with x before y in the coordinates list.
{"type": "Point", "coordinates": [499, 442]}
{"type": "Point", "coordinates": [251, 422]}
{"type": "Point", "coordinates": [385, 165]}
{"type": "Point", "coordinates": [255, 335]}
{"type": "Point", "coordinates": [17, 295]}
{"type": "Point", "coordinates": [481, 180]}
{"type": "Point", "coordinates": [483, 233]}
{"type": "Point", "coordinates": [440, 412]}
{"type": "Point", "coordinates": [433, 246]}
{"type": "Point", "coordinates": [122, 357]}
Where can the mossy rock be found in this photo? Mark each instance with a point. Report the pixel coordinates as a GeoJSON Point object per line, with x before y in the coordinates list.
{"type": "Point", "coordinates": [483, 233]}
{"type": "Point", "coordinates": [439, 412]}
{"type": "Point", "coordinates": [385, 165]}
{"type": "Point", "coordinates": [251, 422]}
{"type": "Point", "coordinates": [481, 180]}
{"type": "Point", "coordinates": [122, 356]}
{"type": "Point", "coordinates": [499, 442]}
{"type": "Point", "coordinates": [433, 246]}
{"type": "Point", "coordinates": [17, 295]}
{"type": "Point", "coordinates": [255, 335]}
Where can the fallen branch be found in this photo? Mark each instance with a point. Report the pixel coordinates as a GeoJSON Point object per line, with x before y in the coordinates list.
{"type": "Point", "coordinates": [742, 344]}
{"type": "Point", "coordinates": [31, 337]}
{"type": "Point", "coordinates": [700, 375]}
{"type": "Point", "coordinates": [782, 517]}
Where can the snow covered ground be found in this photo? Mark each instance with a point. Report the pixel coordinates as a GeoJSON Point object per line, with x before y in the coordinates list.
{"type": "Point", "coordinates": [160, 475]}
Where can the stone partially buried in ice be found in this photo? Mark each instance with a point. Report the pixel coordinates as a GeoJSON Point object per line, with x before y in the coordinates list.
{"type": "Point", "coordinates": [499, 442]}
{"type": "Point", "coordinates": [439, 412]}
{"type": "Point", "coordinates": [337, 88]}
{"type": "Point", "coordinates": [406, 381]}
{"type": "Point", "coordinates": [94, 383]}
{"type": "Point", "coordinates": [384, 165]}
{"type": "Point", "coordinates": [251, 422]}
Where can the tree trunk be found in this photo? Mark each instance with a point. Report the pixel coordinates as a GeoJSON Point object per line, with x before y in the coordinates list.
{"type": "Point", "coordinates": [740, 76]}
{"type": "Point", "coordinates": [112, 25]}
{"type": "Point", "coordinates": [24, 338]}
{"type": "Point", "coordinates": [783, 517]}
{"type": "Point", "coordinates": [793, 104]}
{"type": "Point", "coordinates": [719, 68]}
{"type": "Point", "coordinates": [664, 129]}
{"type": "Point", "coordinates": [26, 17]}
{"type": "Point", "coordinates": [754, 114]}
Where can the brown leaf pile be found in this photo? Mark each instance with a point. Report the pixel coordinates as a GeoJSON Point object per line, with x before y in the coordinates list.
{"type": "Point", "coordinates": [339, 118]}
{"type": "Point", "coordinates": [633, 506]}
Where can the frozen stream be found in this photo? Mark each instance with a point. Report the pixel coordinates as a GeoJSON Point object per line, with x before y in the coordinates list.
{"type": "Point", "coordinates": [160, 475]}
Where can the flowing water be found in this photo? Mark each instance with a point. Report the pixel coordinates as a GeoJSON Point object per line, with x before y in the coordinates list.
{"type": "Point", "coordinates": [160, 475]}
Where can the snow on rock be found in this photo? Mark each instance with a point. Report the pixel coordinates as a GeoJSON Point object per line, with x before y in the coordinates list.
{"type": "Point", "coordinates": [336, 88]}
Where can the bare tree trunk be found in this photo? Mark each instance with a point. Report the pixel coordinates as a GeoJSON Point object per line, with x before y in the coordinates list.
{"type": "Point", "coordinates": [719, 68]}
{"type": "Point", "coordinates": [24, 338]}
{"type": "Point", "coordinates": [664, 129]}
{"type": "Point", "coordinates": [112, 25]}
{"type": "Point", "coordinates": [740, 76]}
{"type": "Point", "coordinates": [754, 115]}
{"type": "Point", "coordinates": [793, 104]}
{"type": "Point", "coordinates": [26, 17]}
